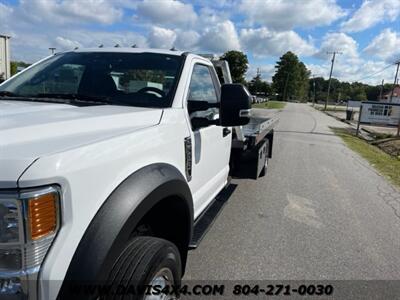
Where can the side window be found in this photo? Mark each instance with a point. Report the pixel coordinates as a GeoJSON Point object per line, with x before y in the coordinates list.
{"type": "Point", "coordinates": [202, 88]}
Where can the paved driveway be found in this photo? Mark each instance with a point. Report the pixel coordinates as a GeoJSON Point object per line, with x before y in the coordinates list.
{"type": "Point", "coordinates": [321, 212]}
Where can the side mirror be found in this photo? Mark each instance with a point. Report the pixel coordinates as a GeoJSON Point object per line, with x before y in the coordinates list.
{"type": "Point", "coordinates": [235, 105]}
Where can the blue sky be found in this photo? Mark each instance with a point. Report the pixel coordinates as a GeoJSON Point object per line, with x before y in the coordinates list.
{"type": "Point", "coordinates": [366, 32]}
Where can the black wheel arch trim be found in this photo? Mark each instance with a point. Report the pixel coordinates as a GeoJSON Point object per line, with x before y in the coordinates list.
{"type": "Point", "coordinates": [114, 222]}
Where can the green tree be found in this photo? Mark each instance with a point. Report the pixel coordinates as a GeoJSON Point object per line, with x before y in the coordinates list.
{"type": "Point", "coordinates": [358, 92]}
{"type": "Point", "coordinates": [291, 79]}
{"type": "Point", "coordinates": [335, 89]}
{"type": "Point", "coordinates": [259, 87]}
{"type": "Point", "coordinates": [345, 87]}
{"type": "Point", "coordinates": [387, 87]}
{"type": "Point", "coordinates": [342, 90]}
{"type": "Point", "coordinates": [320, 84]}
{"type": "Point", "coordinates": [238, 64]}
{"type": "Point", "coordinates": [372, 92]}
{"type": "Point", "coordinates": [302, 82]}
{"type": "Point", "coordinates": [14, 66]}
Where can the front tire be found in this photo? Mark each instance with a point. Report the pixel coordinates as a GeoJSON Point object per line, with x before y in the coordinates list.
{"type": "Point", "coordinates": [145, 261]}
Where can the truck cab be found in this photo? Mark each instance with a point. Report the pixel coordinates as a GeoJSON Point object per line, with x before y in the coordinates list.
{"type": "Point", "coordinates": [109, 157]}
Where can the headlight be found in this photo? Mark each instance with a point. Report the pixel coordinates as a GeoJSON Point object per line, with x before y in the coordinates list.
{"type": "Point", "coordinates": [29, 221]}
{"type": "Point", "coordinates": [9, 221]}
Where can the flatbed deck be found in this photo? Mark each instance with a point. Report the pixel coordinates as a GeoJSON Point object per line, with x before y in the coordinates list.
{"type": "Point", "coordinates": [255, 131]}
{"type": "Point", "coordinates": [258, 128]}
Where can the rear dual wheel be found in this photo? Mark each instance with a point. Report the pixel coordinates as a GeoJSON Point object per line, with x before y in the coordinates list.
{"type": "Point", "coordinates": [264, 170]}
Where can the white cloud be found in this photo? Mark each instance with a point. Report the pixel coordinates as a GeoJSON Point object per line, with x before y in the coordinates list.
{"type": "Point", "coordinates": [109, 39]}
{"type": "Point", "coordinates": [66, 44]}
{"type": "Point", "coordinates": [166, 12]}
{"type": "Point", "coordinates": [71, 11]}
{"type": "Point", "coordinates": [267, 71]}
{"type": "Point", "coordinates": [219, 4]}
{"type": "Point", "coordinates": [220, 38]}
{"type": "Point", "coordinates": [161, 38]}
{"type": "Point", "coordinates": [366, 71]}
{"type": "Point", "coordinates": [349, 65]}
{"type": "Point", "coordinates": [371, 13]}
{"type": "Point", "coordinates": [217, 38]}
{"type": "Point", "coordinates": [209, 16]}
{"type": "Point", "coordinates": [263, 42]}
{"type": "Point", "coordinates": [287, 14]}
{"type": "Point", "coordinates": [68, 39]}
{"type": "Point", "coordinates": [338, 41]}
{"type": "Point", "coordinates": [5, 11]}
{"type": "Point", "coordinates": [385, 45]}
{"type": "Point", "coordinates": [101, 11]}
{"type": "Point", "coordinates": [187, 40]}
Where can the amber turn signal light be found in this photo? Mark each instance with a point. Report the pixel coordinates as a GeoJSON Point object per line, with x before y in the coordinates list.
{"type": "Point", "coordinates": [42, 215]}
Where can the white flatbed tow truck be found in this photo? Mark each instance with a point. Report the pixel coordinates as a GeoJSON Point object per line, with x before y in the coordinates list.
{"type": "Point", "coordinates": [113, 163]}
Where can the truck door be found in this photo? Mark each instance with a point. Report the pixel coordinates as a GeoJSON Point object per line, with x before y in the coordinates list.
{"type": "Point", "coordinates": [211, 144]}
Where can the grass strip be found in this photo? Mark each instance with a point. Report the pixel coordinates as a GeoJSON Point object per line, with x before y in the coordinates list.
{"type": "Point", "coordinates": [270, 105]}
{"type": "Point", "coordinates": [388, 166]}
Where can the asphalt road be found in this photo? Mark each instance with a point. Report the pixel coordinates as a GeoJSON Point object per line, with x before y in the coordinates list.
{"type": "Point", "coordinates": [322, 212]}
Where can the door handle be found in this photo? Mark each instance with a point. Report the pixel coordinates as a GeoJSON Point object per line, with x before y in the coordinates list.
{"type": "Point", "coordinates": [226, 131]}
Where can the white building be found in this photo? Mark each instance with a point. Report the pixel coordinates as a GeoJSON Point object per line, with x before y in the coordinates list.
{"type": "Point", "coordinates": [4, 57]}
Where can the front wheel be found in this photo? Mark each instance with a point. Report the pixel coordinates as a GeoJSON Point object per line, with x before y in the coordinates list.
{"type": "Point", "coordinates": [144, 262]}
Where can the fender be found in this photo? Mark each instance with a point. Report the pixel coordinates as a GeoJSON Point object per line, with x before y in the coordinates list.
{"type": "Point", "coordinates": [115, 221]}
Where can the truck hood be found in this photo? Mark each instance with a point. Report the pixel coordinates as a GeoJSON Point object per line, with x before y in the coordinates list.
{"type": "Point", "coordinates": [29, 130]}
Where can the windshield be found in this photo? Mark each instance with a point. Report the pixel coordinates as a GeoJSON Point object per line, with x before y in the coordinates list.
{"type": "Point", "coordinates": [137, 79]}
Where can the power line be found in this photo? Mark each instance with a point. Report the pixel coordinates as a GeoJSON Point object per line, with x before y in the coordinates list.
{"type": "Point", "coordinates": [375, 73]}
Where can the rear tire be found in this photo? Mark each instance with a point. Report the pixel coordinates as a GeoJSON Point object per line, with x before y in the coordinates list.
{"type": "Point", "coordinates": [144, 261]}
{"type": "Point", "coordinates": [264, 170]}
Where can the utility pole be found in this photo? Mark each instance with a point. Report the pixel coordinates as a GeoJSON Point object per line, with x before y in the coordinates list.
{"type": "Point", "coordinates": [395, 80]}
{"type": "Point", "coordinates": [330, 75]}
{"type": "Point", "coordinates": [52, 49]}
{"type": "Point", "coordinates": [381, 91]}
{"type": "Point", "coordinates": [313, 102]}
{"type": "Point", "coordinates": [258, 75]}
{"type": "Point", "coordinates": [285, 90]}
